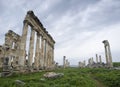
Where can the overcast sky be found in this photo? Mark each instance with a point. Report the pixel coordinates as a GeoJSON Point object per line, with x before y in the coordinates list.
{"type": "Point", "coordinates": [77, 26]}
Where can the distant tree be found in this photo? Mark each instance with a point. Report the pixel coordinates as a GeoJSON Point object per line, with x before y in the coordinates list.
{"type": "Point", "coordinates": [116, 64]}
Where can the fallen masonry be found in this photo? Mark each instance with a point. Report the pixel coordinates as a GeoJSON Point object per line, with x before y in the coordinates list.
{"type": "Point", "coordinates": [53, 75]}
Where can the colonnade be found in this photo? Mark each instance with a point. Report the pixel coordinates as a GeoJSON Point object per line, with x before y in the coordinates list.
{"type": "Point", "coordinates": [44, 46]}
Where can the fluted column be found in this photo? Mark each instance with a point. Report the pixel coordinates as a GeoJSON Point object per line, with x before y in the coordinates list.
{"type": "Point", "coordinates": [96, 58]}
{"type": "Point", "coordinates": [31, 48]}
{"type": "Point", "coordinates": [64, 61]}
{"type": "Point", "coordinates": [84, 62]}
{"type": "Point", "coordinates": [100, 59]}
{"type": "Point", "coordinates": [42, 51]}
{"type": "Point", "coordinates": [46, 52]}
{"type": "Point", "coordinates": [106, 55]}
{"type": "Point", "coordinates": [23, 45]}
{"type": "Point", "coordinates": [110, 56]}
{"type": "Point", "coordinates": [52, 54]}
{"type": "Point", "coordinates": [92, 60]}
{"type": "Point", "coordinates": [51, 60]}
{"type": "Point", "coordinates": [48, 55]}
{"type": "Point", "coordinates": [37, 51]}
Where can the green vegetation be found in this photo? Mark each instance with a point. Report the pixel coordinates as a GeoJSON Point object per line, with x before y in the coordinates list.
{"type": "Point", "coordinates": [73, 77]}
{"type": "Point", "coordinates": [116, 64]}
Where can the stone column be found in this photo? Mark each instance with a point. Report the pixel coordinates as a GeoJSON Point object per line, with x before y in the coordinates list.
{"type": "Point", "coordinates": [89, 61]}
{"type": "Point", "coordinates": [96, 58]}
{"type": "Point", "coordinates": [106, 55]}
{"type": "Point", "coordinates": [52, 54]}
{"type": "Point", "coordinates": [84, 63]}
{"type": "Point", "coordinates": [100, 59]}
{"type": "Point", "coordinates": [64, 62]}
{"type": "Point", "coordinates": [46, 54]}
{"type": "Point", "coordinates": [110, 56]}
{"type": "Point", "coordinates": [23, 45]}
{"type": "Point", "coordinates": [37, 51]}
{"type": "Point", "coordinates": [42, 51]}
{"type": "Point", "coordinates": [31, 48]}
{"type": "Point", "coordinates": [92, 60]}
{"type": "Point", "coordinates": [45, 50]}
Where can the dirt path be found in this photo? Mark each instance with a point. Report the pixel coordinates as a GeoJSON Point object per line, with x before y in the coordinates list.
{"type": "Point", "coordinates": [98, 83]}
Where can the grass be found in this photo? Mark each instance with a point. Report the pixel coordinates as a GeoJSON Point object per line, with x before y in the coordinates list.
{"type": "Point", "coordinates": [73, 77]}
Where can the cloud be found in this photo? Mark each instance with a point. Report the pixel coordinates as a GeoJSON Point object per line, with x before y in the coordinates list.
{"type": "Point", "coordinates": [78, 26]}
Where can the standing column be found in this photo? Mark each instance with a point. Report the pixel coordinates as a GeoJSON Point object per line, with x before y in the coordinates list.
{"type": "Point", "coordinates": [23, 45]}
{"type": "Point", "coordinates": [45, 52]}
{"type": "Point", "coordinates": [110, 56]}
{"type": "Point", "coordinates": [96, 58]}
{"type": "Point", "coordinates": [92, 60]}
{"type": "Point", "coordinates": [64, 61]}
{"type": "Point", "coordinates": [48, 56]}
{"type": "Point", "coordinates": [31, 48]}
{"type": "Point", "coordinates": [53, 54]}
{"type": "Point", "coordinates": [42, 51]}
{"type": "Point", "coordinates": [100, 59]}
{"type": "Point", "coordinates": [106, 55]}
{"type": "Point", "coordinates": [84, 63]}
{"type": "Point", "coordinates": [37, 51]}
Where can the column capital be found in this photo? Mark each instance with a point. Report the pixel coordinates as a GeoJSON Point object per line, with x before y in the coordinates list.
{"type": "Point", "coordinates": [44, 38]}
{"type": "Point", "coordinates": [25, 22]}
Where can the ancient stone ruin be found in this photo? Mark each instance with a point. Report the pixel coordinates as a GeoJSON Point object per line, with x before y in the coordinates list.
{"type": "Point", "coordinates": [96, 64]}
{"type": "Point", "coordinates": [108, 54]}
{"type": "Point", "coordinates": [13, 52]}
{"type": "Point", "coordinates": [66, 63]}
{"type": "Point", "coordinates": [99, 63]}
